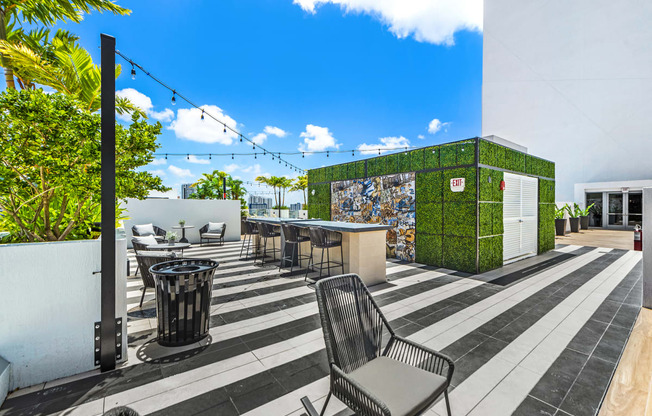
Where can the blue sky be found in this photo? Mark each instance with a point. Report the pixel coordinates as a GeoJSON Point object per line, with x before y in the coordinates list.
{"type": "Point", "coordinates": [319, 75]}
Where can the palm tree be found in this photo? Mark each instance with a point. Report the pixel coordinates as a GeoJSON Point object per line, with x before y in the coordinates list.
{"type": "Point", "coordinates": [275, 182]}
{"type": "Point", "coordinates": [284, 185]}
{"type": "Point", "coordinates": [15, 13]}
{"type": "Point", "coordinates": [62, 64]}
{"type": "Point", "coordinates": [212, 184]}
{"type": "Point", "coordinates": [301, 184]}
{"type": "Point", "coordinates": [235, 188]}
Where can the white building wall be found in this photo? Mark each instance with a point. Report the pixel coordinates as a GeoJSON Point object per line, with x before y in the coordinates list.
{"type": "Point", "coordinates": [572, 81]}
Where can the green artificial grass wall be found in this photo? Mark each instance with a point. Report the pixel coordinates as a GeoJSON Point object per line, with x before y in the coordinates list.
{"type": "Point", "coordinates": [458, 230]}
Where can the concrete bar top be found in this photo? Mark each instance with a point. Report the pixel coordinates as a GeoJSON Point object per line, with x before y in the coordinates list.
{"type": "Point", "coordinates": [344, 227]}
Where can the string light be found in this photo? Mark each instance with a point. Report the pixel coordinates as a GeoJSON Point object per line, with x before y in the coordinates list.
{"type": "Point", "coordinates": [133, 72]}
{"type": "Point", "coordinates": [192, 104]}
{"type": "Point", "coordinates": [327, 154]}
{"type": "Point", "coordinates": [353, 153]}
{"type": "Point", "coordinates": [231, 156]}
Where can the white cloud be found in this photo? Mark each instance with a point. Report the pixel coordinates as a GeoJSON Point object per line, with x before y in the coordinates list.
{"type": "Point", "coordinates": [386, 144]}
{"type": "Point", "coordinates": [194, 159]}
{"type": "Point", "coordinates": [143, 102]}
{"type": "Point", "coordinates": [180, 172]}
{"type": "Point", "coordinates": [159, 161]}
{"type": "Point", "coordinates": [433, 21]}
{"type": "Point", "coordinates": [259, 138]}
{"type": "Point", "coordinates": [172, 193]}
{"type": "Point", "coordinates": [230, 168]}
{"type": "Point", "coordinates": [275, 131]}
{"type": "Point", "coordinates": [157, 172]}
{"type": "Point", "coordinates": [317, 139]}
{"type": "Point", "coordinates": [435, 125]}
{"type": "Point", "coordinates": [421, 136]}
{"type": "Point", "coordinates": [190, 126]}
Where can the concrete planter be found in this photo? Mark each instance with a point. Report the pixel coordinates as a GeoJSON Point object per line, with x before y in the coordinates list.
{"type": "Point", "coordinates": [584, 222]}
{"type": "Point", "coordinates": [50, 302]}
{"type": "Point", "coordinates": [560, 227]}
{"type": "Point", "coordinates": [574, 224]}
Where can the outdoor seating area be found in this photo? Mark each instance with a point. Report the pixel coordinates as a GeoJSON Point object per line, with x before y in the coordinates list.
{"type": "Point", "coordinates": [542, 334]}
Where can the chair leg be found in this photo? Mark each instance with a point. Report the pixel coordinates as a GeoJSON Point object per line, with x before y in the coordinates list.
{"type": "Point", "coordinates": [137, 267]}
{"type": "Point", "coordinates": [309, 264]}
{"type": "Point", "coordinates": [448, 405]}
{"type": "Point", "coordinates": [321, 265]}
{"type": "Point", "coordinates": [328, 259]}
{"type": "Point", "coordinates": [282, 262]}
{"type": "Point", "coordinates": [342, 258]}
{"type": "Point", "coordinates": [294, 248]}
{"type": "Point", "coordinates": [142, 297]}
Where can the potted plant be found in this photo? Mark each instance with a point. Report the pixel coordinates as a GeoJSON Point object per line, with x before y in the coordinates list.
{"type": "Point", "coordinates": [574, 218]}
{"type": "Point", "coordinates": [182, 223]}
{"type": "Point", "coordinates": [584, 216]}
{"type": "Point", "coordinates": [171, 237]}
{"type": "Point", "coordinates": [560, 221]}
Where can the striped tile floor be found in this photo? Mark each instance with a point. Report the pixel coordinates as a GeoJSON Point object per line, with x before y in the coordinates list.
{"type": "Point", "coordinates": [538, 337]}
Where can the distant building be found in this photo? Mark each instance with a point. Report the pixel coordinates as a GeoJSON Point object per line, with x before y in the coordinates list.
{"type": "Point", "coordinates": [295, 207]}
{"type": "Point", "coordinates": [259, 202]}
{"type": "Point", "coordinates": [187, 190]}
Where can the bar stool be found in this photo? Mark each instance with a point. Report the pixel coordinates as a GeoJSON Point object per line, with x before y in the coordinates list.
{"type": "Point", "coordinates": [324, 240]}
{"type": "Point", "coordinates": [292, 235]}
{"type": "Point", "coordinates": [268, 231]}
{"type": "Point", "coordinates": [250, 230]}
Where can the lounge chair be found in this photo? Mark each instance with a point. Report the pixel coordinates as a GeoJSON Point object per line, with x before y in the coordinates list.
{"type": "Point", "coordinates": [149, 229]}
{"type": "Point", "coordinates": [212, 231]}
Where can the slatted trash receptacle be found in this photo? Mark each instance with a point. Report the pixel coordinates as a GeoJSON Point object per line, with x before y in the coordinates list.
{"type": "Point", "coordinates": [183, 300]}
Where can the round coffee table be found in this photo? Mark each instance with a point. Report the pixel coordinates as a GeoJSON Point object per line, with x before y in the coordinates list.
{"type": "Point", "coordinates": [183, 232]}
{"type": "Point", "coordinates": [169, 247]}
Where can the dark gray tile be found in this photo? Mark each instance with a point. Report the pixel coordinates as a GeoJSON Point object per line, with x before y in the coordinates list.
{"type": "Point", "coordinates": [588, 337]}
{"type": "Point", "coordinates": [612, 343]}
{"type": "Point", "coordinates": [555, 384]}
{"type": "Point", "coordinates": [533, 407]}
{"type": "Point", "coordinates": [626, 316]}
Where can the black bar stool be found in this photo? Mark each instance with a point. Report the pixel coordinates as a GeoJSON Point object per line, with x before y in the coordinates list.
{"type": "Point", "coordinates": [292, 235]}
{"type": "Point", "coordinates": [250, 230]}
{"type": "Point", "coordinates": [268, 231]}
{"type": "Point", "coordinates": [324, 240]}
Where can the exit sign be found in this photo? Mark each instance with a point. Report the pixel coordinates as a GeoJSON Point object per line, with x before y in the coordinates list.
{"type": "Point", "coordinates": [457, 184]}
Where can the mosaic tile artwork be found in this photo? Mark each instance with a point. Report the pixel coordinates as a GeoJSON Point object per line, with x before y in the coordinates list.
{"type": "Point", "coordinates": [380, 200]}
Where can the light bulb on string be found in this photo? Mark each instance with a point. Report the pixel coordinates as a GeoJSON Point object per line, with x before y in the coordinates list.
{"type": "Point", "coordinates": [187, 156]}
{"type": "Point", "coordinates": [202, 115]}
{"type": "Point", "coordinates": [174, 97]}
{"type": "Point", "coordinates": [352, 152]}
{"type": "Point", "coordinates": [166, 156]}
{"type": "Point", "coordinates": [209, 156]}
{"type": "Point", "coordinates": [240, 135]}
{"type": "Point", "coordinates": [255, 155]}
{"type": "Point", "coordinates": [254, 146]}
{"type": "Point", "coordinates": [327, 154]}
{"type": "Point", "coordinates": [225, 129]}
{"type": "Point", "coordinates": [378, 152]}
{"type": "Point", "coordinates": [133, 72]}
{"type": "Point", "coordinates": [231, 156]}
{"type": "Point", "coordinates": [303, 155]}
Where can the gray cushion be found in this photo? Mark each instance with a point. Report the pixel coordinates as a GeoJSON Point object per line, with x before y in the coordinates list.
{"type": "Point", "coordinates": [144, 229]}
{"type": "Point", "coordinates": [215, 227]}
{"type": "Point", "coordinates": [158, 254]}
{"type": "Point", "coordinates": [211, 235]}
{"type": "Point", "coordinates": [406, 390]}
{"type": "Point", "coordinates": [146, 240]}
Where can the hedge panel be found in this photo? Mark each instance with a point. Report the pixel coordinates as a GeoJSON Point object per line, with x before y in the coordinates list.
{"type": "Point", "coordinates": [448, 155]}
{"type": "Point", "coordinates": [490, 191]}
{"type": "Point", "coordinates": [404, 162]}
{"type": "Point", "coordinates": [417, 159]}
{"type": "Point", "coordinates": [429, 218]}
{"type": "Point", "coordinates": [460, 219]}
{"type": "Point", "coordinates": [469, 193]}
{"type": "Point", "coordinates": [498, 225]}
{"type": "Point", "coordinates": [431, 157]}
{"type": "Point", "coordinates": [459, 253]}
{"type": "Point", "coordinates": [490, 253]}
{"type": "Point", "coordinates": [429, 187]}
{"type": "Point", "coordinates": [429, 249]}
{"type": "Point", "coordinates": [514, 160]}
{"type": "Point", "coordinates": [546, 191]}
{"type": "Point", "coordinates": [391, 164]}
{"type": "Point", "coordinates": [546, 227]}
{"type": "Point", "coordinates": [486, 211]}
{"type": "Point", "coordinates": [359, 169]}
{"type": "Point", "coordinates": [466, 153]}
{"type": "Point", "coordinates": [374, 168]}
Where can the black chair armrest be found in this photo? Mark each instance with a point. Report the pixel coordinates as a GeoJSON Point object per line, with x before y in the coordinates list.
{"type": "Point", "coordinates": [223, 229]}
{"type": "Point", "coordinates": [355, 396]}
{"type": "Point", "coordinates": [203, 229]}
{"type": "Point", "coordinates": [416, 355]}
{"type": "Point", "coordinates": [159, 231]}
{"type": "Point", "coordinates": [134, 232]}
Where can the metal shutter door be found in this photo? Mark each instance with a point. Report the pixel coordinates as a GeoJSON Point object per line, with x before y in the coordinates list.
{"type": "Point", "coordinates": [512, 216]}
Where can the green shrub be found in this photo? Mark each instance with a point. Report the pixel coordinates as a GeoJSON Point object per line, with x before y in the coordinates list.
{"type": "Point", "coordinates": [417, 159]}
{"type": "Point", "coordinates": [322, 194]}
{"type": "Point", "coordinates": [460, 219]}
{"type": "Point", "coordinates": [428, 249]}
{"type": "Point", "coordinates": [469, 193]}
{"type": "Point", "coordinates": [490, 191]}
{"type": "Point", "coordinates": [492, 154]}
{"type": "Point", "coordinates": [546, 227]}
{"type": "Point", "coordinates": [459, 253]}
{"type": "Point", "coordinates": [448, 155]}
{"type": "Point", "coordinates": [490, 253]}
{"type": "Point", "coordinates": [391, 164]}
{"type": "Point", "coordinates": [431, 157]}
{"type": "Point", "coordinates": [486, 210]}
{"type": "Point", "coordinates": [498, 226]}
{"type": "Point", "coordinates": [428, 187]}
{"type": "Point", "coordinates": [404, 162]}
{"type": "Point", "coordinates": [466, 153]}
{"type": "Point", "coordinates": [546, 191]}
{"type": "Point", "coordinates": [429, 218]}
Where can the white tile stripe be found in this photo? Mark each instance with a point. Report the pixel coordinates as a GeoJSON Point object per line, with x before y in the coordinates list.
{"type": "Point", "coordinates": [499, 386]}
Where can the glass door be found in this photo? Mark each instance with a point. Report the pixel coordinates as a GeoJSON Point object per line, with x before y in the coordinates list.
{"type": "Point", "coordinates": [595, 213]}
{"type": "Point", "coordinates": [634, 209]}
{"type": "Point", "coordinates": [615, 213]}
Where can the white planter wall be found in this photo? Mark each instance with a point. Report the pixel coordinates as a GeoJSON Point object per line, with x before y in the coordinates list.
{"type": "Point", "coordinates": [50, 302]}
{"type": "Point", "coordinates": [166, 213]}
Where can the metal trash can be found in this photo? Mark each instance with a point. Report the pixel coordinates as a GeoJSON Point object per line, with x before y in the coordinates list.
{"type": "Point", "coordinates": [183, 300]}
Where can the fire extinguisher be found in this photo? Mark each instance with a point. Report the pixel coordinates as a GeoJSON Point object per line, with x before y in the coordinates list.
{"type": "Point", "coordinates": [638, 238]}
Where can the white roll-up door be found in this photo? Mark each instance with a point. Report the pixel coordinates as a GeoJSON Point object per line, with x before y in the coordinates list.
{"type": "Point", "coordinates": [520, 207]}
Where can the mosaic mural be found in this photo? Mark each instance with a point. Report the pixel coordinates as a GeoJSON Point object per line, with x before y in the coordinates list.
{"type": "Point", "coordinates": [380, 200]}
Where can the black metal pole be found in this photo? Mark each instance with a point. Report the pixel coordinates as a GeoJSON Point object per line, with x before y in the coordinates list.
{"type": "Point", "coordinates": [279, 202]}
{"type": "Point", "coordinates": [224, 188]}
{"type": "Point", "coordinates": [108, 333]}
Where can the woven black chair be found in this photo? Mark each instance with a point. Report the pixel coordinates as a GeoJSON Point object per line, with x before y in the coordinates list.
{"type": "Point", "coordinates": [205, 234]}
{"type": "Point", "coordinates": [324, 240]}
{"type": "Point", "coordinates": [267, 231]}
{"type": "Point", "coordinates": [139, 246]}
{"type": "Point", "coordinates": [145, 261]}
{"type": "Point", "coordinates": [250, 230]}
{"type": "Point", "coordinates": [292, 236]}
{"type": "Point", "coordinates": [159, 233]}
{"type": "Point", "coordinates": [373, 378]}
{"type": "Point", "coordinates": [121, 411]}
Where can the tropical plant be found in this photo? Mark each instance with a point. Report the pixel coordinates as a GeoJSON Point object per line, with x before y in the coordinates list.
{"type": "Point", "coordinates": [584, 212]}
{"type": "Point", "coordinates": [50, 163]}
{"type": "Point", "coordinates": [210, 185]}
{"type": "Point", "coordinates": [235, 188]}
{"type": "Point", "coordinates": [573, 212]}
{"type": "Point", "coordinates": [14, 14]}
{"type": "Point", "coordinates": [559, 212]}
{"type": "Point", "coordinates": [276, 182]}
{"type": "Point", "coordinates": [301, 184]}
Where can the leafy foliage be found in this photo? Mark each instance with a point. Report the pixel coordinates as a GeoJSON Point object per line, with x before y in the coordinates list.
{"type": "Point", "coordinates": [50, 164]}
{"type": "Point", "coordinates": [559, 212]}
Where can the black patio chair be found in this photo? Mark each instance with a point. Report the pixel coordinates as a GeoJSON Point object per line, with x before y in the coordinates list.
{"type": "Point", "coordinates": [139, 246]}
{"type": "Point", "coordinates": [145, 261]}
{"type": "Point", "coordinates": [159, 233]}
{"type": "Point", "coordinates": [250, 230]}
{"type": "Point", "coordinates": [292, 236]}
{"type": "Point", "coordinates": [208, 234]}
{"type": "Point", "coordinates": [396, 378]}
{"type": "Point", "coordinates": [267, 231]}
{"type": "Point", "coordinates": [324, 240]}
